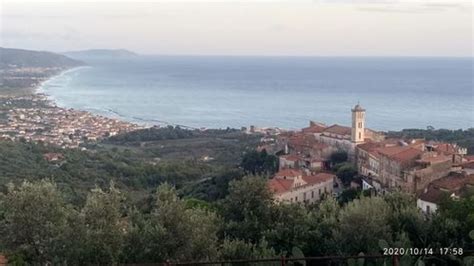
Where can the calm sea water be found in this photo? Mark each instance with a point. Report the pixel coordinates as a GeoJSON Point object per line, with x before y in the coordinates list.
{"type": "Point", "coordinates": [287, 92]}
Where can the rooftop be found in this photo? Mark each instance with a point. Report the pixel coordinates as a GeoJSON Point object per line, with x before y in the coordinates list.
{"type": "Point", "coordinates": [338, 130]}
{"type": "Point", "coordinates": [400, 153]}
{"type": "Point", "coordinates": [288, 173]}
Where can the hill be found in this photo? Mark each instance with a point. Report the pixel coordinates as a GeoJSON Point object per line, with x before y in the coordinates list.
{"type": "Point", "coordinates": [101, 53]}
{"type": "Point", "coordinates": [18, 58]}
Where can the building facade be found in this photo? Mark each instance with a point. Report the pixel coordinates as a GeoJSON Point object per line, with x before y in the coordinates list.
{"type": "Point", "coordinates": [299, 187]}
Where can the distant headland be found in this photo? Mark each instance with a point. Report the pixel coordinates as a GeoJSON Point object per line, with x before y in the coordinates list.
{"type": "Point", "coordinates": [101, 53]}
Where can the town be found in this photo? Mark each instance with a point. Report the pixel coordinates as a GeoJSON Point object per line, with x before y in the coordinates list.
{"type": "Point", "coordinates": [427, 169]}
{"type": "Point", "coordinates": [35, 118]}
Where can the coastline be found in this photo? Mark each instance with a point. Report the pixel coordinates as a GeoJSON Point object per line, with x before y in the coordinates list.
{"type": "Point", "coordinates": [37, 89]}
{"type": "Point", "coordinates": [35, 117]}
{"type": "Point", "coordinates": [148, 121]}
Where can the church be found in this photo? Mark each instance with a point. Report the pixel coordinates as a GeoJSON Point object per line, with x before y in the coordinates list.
{"type": "Point", "coordinates": [345, 138]}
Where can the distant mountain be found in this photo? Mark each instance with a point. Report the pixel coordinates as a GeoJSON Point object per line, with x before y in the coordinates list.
{"type": "Point", "coordinates": [17, 58]}
{"type": "Point", "coordinates": [101, 53]}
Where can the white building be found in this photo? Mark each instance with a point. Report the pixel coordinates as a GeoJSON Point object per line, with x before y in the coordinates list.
{"type": "Point", "coordinates": [295, 186]}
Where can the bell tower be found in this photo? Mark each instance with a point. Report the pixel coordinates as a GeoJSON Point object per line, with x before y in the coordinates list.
{"type": "Point", "coordinates": [358, 124]}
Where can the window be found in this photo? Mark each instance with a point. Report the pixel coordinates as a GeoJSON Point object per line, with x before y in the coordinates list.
{"type": "Point", "coordinates": [319, 192]}
{"type": "Point", "coordinates": [312, 194]}
{"type": "Point", "coordinates": [296, 198]}
{"type": "Point", "coordinates": [360, 135]}
{"type": "Point", "coordinates": [304, 196]}
{"type": "Point", "coordinates": [325, 190]}
{"type": "Point", "coordinates": [428, 209]}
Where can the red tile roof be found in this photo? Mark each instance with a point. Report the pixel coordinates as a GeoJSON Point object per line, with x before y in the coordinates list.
{"type": "Point", "coordinates": [279, 186]}
{"type": "Point", "coordinates": [446, 148]}
{"type": "Point", "coordinates": [453, 182]}
{"type": "Point", "coordinates": [339, 130]}
{"type": "Point", "coordinates": [369, 146]}
{"type": "Point", "coordinates": [400, 153]}
{"type": "Point", "coordinates": [313, 129]}
{"type": "Point", "coordinates": [433, 195]}
{"type": "Point", "coordinates": [288, 173]}
{"type": "Point", "coordinates": [318, 178]}
{"type": "Point", "coordinates": [435, 159]}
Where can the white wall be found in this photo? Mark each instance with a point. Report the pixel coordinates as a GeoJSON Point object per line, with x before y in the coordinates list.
{"type": "Point", "coordinates": [423, 205]}
{"type": "Point", "coordinates": [298, 194]}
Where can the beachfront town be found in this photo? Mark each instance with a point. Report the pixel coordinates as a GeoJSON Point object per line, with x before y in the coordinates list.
{"type": "Point", "coordinates": [35, 118]}
{"type": "Point", "coordinates": [428, 169]}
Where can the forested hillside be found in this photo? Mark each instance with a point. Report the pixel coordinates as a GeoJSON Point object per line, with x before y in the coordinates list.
{"type": "Point", "coordinates": [19, 58]}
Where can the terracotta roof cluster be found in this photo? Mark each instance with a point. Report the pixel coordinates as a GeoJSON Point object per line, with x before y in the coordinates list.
{"type": "Point", "coordinates": [301, 142]}
{"type": "Point", "coordinates": [443, 187]}
{"type": "Point", "coordinates": [446, 148]}
{"type": "Point", "coordinates": [400, 153]}
{"type": "Point", "coordinates": [453, 182]}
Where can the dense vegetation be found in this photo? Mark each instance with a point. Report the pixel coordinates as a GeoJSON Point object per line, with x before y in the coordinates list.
{"type": "Point", "coordinates": [464, 138]}
{"type": "Point", "coordinates": [150, 195]}
{"type": "Point", "coordinates": [135, 167]}
{"type": "Point", "coordinates": [38, 225]}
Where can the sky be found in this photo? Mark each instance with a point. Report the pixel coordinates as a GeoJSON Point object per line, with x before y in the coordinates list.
{"type": "Point", "coordinates": [258, 27]}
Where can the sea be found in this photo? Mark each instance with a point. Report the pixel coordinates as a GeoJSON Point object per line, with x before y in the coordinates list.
{"type": "Point", "coordinates": [284, 92]}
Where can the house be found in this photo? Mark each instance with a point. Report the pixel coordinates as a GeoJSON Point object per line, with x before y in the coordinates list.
{"type": "Point", "coordinates": [455, 185]}
{"type": "Point", "coordinates": [297, 186]}
{"type": "Point", "coordinates": [289, 161]}
{"type": "Point", "coordinates": [393, 162]}
{"type": "Point", "coordinates": [457, 153]}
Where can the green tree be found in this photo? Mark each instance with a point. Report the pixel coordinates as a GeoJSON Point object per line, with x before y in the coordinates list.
{"type": "Point", "coordinates": [238, 249]}
{"type": "Point", "coordinates": [289, 227]}
{"type": "Point", "coordinates": [362, 223]}
{"type": "Point", "coordinates": [104, 226]}
{"type": "Point", "coordinates": [338, 157]}
{"type": "Point", "coordinates": [348, 195]}
{"type": "Point", "coordinates": [346, 172]}
{"type": "Point", "coordinates": [172, 231]}
{"type": "Point", "coordinates": [34, 222]}
{"type": "Point", "coordinates": [247, 210]}
{"type": "Point", "coordinates": [322, 220]}
{"type": "Point", "coordinates": [258, 163]}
